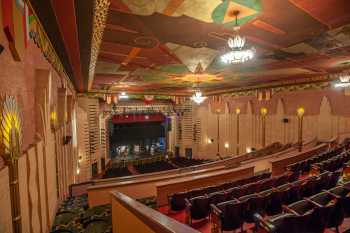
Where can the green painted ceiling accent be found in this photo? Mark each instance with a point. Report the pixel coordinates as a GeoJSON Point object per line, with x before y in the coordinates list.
{"type": "Point", "coordinates": [218, 15]}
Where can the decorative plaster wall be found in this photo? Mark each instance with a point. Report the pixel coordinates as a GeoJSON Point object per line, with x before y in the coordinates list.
{"type": "Point", "coordinates": [327, 115]}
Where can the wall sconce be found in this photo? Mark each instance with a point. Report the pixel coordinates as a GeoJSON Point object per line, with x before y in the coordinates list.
{"type": "Point", "coordinates": [227, 145]}
{"type": "Point", "coordinates": [248, 149]}
{"type": "Point", "coordinates": [300, 111]}
{"type": "Point", "coordinates": [108, 99]}
{"type": "Point", "coordinates": [263, 111]}
{"type": "Point", "coordinates": [210, 140]}
{"type": "Point", "coordinates": [238, 111]}
{"type": "Point", "coordinates": [78, 171]}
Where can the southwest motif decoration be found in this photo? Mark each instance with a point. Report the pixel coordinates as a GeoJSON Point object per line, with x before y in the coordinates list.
{"type": "Point", "coordinates": [10, 128]}
{"type": "Point", "coordinates": [223, 13]}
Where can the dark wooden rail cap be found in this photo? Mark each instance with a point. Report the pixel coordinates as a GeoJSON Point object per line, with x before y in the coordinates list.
{"type": "Point", "coordinates": [152, 218]}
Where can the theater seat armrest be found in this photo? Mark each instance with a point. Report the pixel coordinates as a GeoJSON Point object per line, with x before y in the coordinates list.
{"type": "Point", "coordinates": [260, 221]}
{"type": "Point", "coordinates": [289, 210]}
{"type": "Point", "coordinates": [332, 194]}
{"type": "Point", "coordinates": [215, 210]}
{"type": "Point", "coordinates": [188, 203]}
{"type": "Point", "coordinates": [313, 202]}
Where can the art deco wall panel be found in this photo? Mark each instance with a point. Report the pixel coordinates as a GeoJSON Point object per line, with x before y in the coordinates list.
{"type": "Point", "coordinates": [23, 191]}
{"type": "Point", "coordinates": [5, 203]}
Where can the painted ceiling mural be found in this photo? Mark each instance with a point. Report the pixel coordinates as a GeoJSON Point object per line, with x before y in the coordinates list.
{"type": "Point", "coordinates": [170, 46]}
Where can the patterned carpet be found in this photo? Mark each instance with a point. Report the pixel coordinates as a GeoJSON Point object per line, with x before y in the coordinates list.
{"type": "Point", "coordinates": [74, 216]}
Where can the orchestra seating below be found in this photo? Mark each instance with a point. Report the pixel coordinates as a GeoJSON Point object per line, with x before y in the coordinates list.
{"type": "Point", "coordinates": [116, 172]}
{"type": "Point", "coordinates": [154, 167]}
{"type": "Point", "coordinates": [185, 162]}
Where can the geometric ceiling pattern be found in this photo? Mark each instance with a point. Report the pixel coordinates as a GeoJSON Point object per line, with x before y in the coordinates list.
{"type": "Point", "coordinates": [156, 46]}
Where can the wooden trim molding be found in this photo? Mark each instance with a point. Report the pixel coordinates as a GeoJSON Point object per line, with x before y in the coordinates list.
{"type": "Point", "coordinates": [153, 219]}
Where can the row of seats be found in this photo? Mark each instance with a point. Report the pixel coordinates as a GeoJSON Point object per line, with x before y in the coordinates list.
{"type": "Point", "coordinates": [177, 200]}
{"type": "Point", "coordinates": [332, 164]}
{"type": "Point", "coordinates": [231, 215]}
{"type": "Point", "coordinates": [199, 207]}
{"type": "Point", "coordinates": [304, 166]}
{"type": "Point", "coordinates": [74, 216]}
{"type": "Point", "coordinates": [314, 214]}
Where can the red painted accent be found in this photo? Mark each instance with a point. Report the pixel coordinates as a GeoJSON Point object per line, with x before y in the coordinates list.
{"type": "Point", "coordinates": [7, 17]}
{"type": "Point", "coordinates": [66, 18]}
{"type": "Point", "coordinates": [135, 118]}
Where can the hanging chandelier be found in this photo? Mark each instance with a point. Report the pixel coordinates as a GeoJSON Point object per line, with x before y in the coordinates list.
{"type": "Point", "coordinates": [344, 81]}
{"type": "Point", "coordinates": [238, 53]}
{"type": "Point", "coordinates": [198, 97]}
{"type": "Point", "coordinates": [123, 95]}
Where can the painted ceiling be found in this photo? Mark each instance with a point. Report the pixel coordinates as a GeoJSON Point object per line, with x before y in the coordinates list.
{"type": "Point", "coordinates": [171, 46]}
{"type": "Point", "coordinates": [155, 46]}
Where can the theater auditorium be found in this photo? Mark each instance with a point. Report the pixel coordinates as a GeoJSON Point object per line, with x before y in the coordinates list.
{"type": "Point", "coordinates": [174, 116]}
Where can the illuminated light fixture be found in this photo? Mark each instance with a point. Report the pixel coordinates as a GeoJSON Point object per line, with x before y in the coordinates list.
{"type": "Point", "coordinates": [108, 99]}
{"type": "Point", "coordinates": [210, 141]}
{"type": "Point", "coordinates": [115, 99]}
{"type": "Point", "coordinates": [263, 111]}
{"type": "Point", "coordinates": [78, 171]}
{"type": "Point", "coordinates": [227, 145]}
{"type": "Point", "coordinates": [344, 81]}
{"type": "Point", "coordinates": [238, 111]}
{"type": "Point", "coordinates": [300, 111]}
{"type": "Point", "coordinates": [197, 97]}
{"type": "Point", "coordinates": [238, 53]}
{"type": "Point", "coordinates": [248, 149]}
{"type": "Point", "coordinates": [123, 95]}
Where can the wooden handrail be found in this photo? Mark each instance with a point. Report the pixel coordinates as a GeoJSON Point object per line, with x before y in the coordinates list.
{"type": "Point", "coordinates": [155, 220]}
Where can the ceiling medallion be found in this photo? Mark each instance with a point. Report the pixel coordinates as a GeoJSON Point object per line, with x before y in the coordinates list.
{"type": "Point", "coordinates": [238, 53]}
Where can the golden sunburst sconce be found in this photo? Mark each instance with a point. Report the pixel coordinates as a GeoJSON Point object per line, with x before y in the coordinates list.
{"type": "Point", "coordinates": [10, 127]}
{"type": "Point", "coordinates": [10, 149]}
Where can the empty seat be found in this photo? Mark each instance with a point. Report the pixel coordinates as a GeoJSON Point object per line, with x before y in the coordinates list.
{"type": "Point", "coordinates": [197, 208]}
{"type": "Point", "coordinates": [217, 197]}
{"type": "Point", "coordinates": [253, 204]}
{"type": "Point", "coordinates": [177, 201]}
{"type": "Point", "coordinates": [336, 216]}
{"type": "Point", "coordinates": [227, 216]}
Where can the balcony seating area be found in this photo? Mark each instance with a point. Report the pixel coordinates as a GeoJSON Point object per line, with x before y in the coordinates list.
{"type": "Point", "coordinates": [314, 214]}
{"type": "Point", "coordinates": [231, 215]}
{"type": "Point", "coordinates": [257, 194]}
{"type": "Point", "coordinates": [305, 165]}
{"type": "Point", "coordinates": [333, 163]}
{"type": "Point", "coordinates": [116, 172]}
{"type": "Point", "coordinates": [74, 216]}
{"type": "Point", "coordinates": [177, 200]}
{"type": "Point", "coordinates": [154, 167]}
{"type": "Point", "coordinates": [185, 162]}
